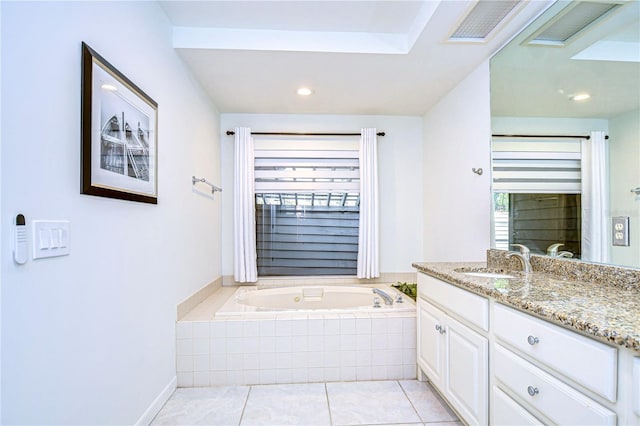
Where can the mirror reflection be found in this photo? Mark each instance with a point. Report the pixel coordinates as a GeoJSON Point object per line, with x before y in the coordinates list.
{"type": "Point", "coordinates": [565, 106]}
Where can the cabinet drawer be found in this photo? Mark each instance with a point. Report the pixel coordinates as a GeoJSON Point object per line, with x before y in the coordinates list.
{"type": "Point", "coordinates": [556, 400]}
{"type": "Point", "coordinates": [466, 305]}
{"type": "Point", "coordinates": [505, 411]}
{"type": "Point", "coordinates": [583, 360]}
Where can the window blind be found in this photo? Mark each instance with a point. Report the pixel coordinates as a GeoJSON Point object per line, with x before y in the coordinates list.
{"type": "Point", "coordinates": [536, 165]}
{"type": "Point", "coordinates": [311, 165]}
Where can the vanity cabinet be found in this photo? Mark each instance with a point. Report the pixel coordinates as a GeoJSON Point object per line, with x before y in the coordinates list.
{"type": "Point", "coordinates": [499, 365]}
{"type": "Point", "coordinates": [539, 371]}
{"type": "Point", "coordinates": [451, 353]}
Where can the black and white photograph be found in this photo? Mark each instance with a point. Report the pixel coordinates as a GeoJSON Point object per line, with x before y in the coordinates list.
{"type": "Point", "coordinates": [119, 158]}
{"type": "Point", "coordinates": [124, 136]}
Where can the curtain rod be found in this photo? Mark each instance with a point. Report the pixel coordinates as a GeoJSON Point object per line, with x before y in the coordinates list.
{"type": "Point", "coordinates": [547, 136]}
{"type": "Point", "coordinates": [231, 132]}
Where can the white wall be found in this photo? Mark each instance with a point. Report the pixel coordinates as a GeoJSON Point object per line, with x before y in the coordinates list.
{"type": "Point", "coordinates": [400, 167]}
{"type": "Point", "coordinates": [2, 222]}
{"type": "Point", "coordinates": [89, 338]}
{"type": "Point", "coordinates": [548, 125]}
{"type": "Point", "coordinates": [457, 201]}
{"type": "Point", "coordinates": [624, 162]}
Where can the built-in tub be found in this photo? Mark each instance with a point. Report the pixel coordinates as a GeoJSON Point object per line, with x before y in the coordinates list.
{"type": "Point", "coordinates": [337, 299]}
{"type": "Point", "coordinates": [266, 336]}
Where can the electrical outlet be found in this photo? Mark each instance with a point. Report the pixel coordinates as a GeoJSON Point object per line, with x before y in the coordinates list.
{"type": "Point", "coordinates": [620, 231]}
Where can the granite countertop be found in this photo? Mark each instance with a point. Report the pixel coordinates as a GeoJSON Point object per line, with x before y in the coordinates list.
{"type": "Point", "coordinates": [602, 311]}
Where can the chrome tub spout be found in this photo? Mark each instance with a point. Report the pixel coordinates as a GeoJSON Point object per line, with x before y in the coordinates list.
{"type": "Point", "coordinates": [387, 299]}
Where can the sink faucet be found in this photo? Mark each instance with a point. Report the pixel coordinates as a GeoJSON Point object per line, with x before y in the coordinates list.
{"type": "Point", "coordinates": [565, 254]}
{"type": "Point", "coordinates": [387, 299]}
{"type": "Point", "coordinates": [526, 264]}
{"type": "Point", "coordinates": [524, 256]}
{"type": "Point", "coordinates": [552, 250]}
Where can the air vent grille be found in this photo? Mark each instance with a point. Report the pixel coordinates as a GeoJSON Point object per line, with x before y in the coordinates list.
{"type": "Point", "coordinates": [485, 16]}
{"type": "Point", "coordinates": [575, 20]}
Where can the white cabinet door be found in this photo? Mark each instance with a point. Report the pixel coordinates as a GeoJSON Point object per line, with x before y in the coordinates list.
{"type": "Point", "coordinates": [430, 342]}
{"type": "Point", "coordinates": [467, 375]}
{"type": "Point", "coordinates": [455, 359]}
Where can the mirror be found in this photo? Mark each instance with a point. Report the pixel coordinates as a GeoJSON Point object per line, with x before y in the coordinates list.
{"type": "Point", "coordinates": [589, 48]}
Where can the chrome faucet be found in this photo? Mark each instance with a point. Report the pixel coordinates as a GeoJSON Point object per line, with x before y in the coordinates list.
{"type": "Point", "coordinates": [567, 254]}
{"type": "Point", "coordinates": [552, 250]}
{"type": "Point", "coordinates": [387, 299]}
{"type": "Point", "coordinates": [526, 264]}
{"type": "Point", "coordinates": [524, 256]}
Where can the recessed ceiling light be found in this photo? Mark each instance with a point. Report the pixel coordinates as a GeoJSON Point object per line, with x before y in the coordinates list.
{"type": "Point", "coordinates": [304, 91]}
{"type": "Point", "coordinates": [580, 97]}
{"type": "Point", "coordinates": [109, 87]}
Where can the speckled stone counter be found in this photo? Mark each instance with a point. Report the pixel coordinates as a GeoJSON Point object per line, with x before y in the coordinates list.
{"type": "Point", "coordinates": [605, 311]}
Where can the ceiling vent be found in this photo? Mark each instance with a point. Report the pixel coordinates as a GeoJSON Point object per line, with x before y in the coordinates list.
{"type": "Point", "coordinates": [481, 21]}
{"type": "Point", "coordinates": [571, 21]}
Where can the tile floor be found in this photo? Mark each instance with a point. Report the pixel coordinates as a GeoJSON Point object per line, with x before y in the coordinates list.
{"type": "Point", "coordinates": [390, 402]}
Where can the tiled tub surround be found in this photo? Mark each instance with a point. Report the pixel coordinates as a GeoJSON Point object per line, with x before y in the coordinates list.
{"type": "Point", "coordinates": [293, 346]}
{"type": "Point", "coordinates": [605, 310]}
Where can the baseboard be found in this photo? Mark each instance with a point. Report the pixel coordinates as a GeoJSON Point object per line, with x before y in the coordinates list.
{"type": "Point", "coordinates": [157, 404]}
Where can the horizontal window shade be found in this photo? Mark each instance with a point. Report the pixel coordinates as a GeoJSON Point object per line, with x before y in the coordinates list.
{"type": "Point", "coordinates": [536, 166]}
{"type": "Point", "coordinates": [308, 165]}
{"type": "Point", "coordinates": [306, 241]}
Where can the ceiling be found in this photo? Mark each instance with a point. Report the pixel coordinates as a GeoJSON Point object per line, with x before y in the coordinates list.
{"type": "Point", "coordinates": [358, 57]}
{"type": "Point", "coordinates": [603, 60]}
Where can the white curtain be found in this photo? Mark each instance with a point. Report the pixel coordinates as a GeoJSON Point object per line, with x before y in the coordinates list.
{"type": "Point", "coordinates": [595, 199]}
{"type": "Point", "coordinates": [368, 235]}
{"type": "Point", "coordinates": [245, 267]}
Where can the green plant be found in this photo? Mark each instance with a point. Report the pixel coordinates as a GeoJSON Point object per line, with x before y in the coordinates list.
{"type": "Point", "coordinates": [410, 289]}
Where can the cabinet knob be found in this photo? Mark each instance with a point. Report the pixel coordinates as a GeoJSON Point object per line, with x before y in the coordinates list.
{"type": "Point", "coordinates": [443, 330]}
{"type": "Point", "coordinates": [532, 391]}
{"type": "Point", "coordinates": [533, 340]}
{"type": "Point", "coordinates": [438, 328]}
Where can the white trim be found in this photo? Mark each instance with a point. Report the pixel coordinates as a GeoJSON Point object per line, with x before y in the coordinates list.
{"type": "Point", "coordinates": [152, 411]}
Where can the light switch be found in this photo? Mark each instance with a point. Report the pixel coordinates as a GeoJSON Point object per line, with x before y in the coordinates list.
{"type": "Point", "coordinates": [51, 238]}
{"type": "Point", "coordinates": [43, 244]}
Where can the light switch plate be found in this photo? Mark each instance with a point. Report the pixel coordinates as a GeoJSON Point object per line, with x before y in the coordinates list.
{"type": "Point", "coordinates": [50, 238]}
{"type": "Point", "coordinates": [620, 231]}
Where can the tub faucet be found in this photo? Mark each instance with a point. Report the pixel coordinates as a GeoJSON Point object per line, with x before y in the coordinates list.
{"type": "Point", "coordinates": [387, 299]}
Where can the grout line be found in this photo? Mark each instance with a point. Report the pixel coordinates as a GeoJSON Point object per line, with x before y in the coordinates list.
{"type": "Point", "coordinates": [326, 392]}
{"type": "Point", "coordinates": [245, 405]}
{"type": "Point", "coordinates": [410, 402]}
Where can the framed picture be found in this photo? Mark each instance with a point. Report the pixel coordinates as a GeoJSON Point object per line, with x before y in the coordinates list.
{"type": "Point", "coordinates": [119, 134]}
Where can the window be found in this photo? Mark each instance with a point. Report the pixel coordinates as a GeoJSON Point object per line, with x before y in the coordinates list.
{"type": "Point", "coordinates": [307, 206]}
{"type": "Point", "coordinates": [538, 221]}
{"type": "Point", "coordinates": [537, 185]}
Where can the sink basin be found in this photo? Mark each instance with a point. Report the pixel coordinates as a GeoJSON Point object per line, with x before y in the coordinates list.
{"type": "Point", "coordinates": [484, 273]}
{"type": "Point", "coordinates": [488, 275]}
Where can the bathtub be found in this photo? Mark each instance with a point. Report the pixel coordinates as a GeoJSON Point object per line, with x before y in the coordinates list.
{"type": "Point", "coordinates": [297, 334]}
{"type": "Point", "coordinates": [314, 299]}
